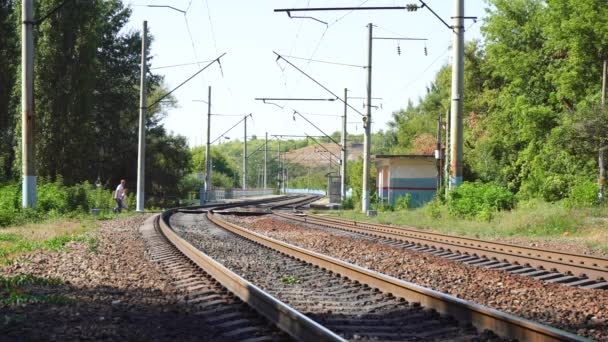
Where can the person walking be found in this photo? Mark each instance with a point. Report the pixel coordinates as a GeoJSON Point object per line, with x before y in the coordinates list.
{"type": "Point", "coordinates": [119, 195]}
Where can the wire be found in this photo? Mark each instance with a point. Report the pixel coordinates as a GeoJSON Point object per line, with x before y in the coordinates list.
{"type": "Point", "coordinates": [191, 39]}
{"type": "Point", "coordinates": [326, 62]}
{"type": "Point", "coordinates": [210, 25]}
{"type": "Point", "coordinates": [179, 65]}
{"type": "Point", "coordinates": [347, 13]}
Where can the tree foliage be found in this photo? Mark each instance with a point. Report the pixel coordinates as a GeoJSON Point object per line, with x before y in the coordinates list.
{"type": "Point", "coordinates": [86, 86]}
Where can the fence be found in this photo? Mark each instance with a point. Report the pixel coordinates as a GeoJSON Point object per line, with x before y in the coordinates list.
{"type": "Point", "coordinates": [224, 194]}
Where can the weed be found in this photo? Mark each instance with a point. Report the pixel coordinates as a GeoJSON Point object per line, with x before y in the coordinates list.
{"type": "Point", "coordinates": [290, 280]}
{"type": "Point", "coordinates": [10, 319]}
{"type": "Point", "coordinates": [12, 290]}
{"type": "Point", "coordinates": [93, 245]}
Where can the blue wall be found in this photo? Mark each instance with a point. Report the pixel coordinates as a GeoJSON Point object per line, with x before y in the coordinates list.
{"type": "Point", "coordinates": [422, 190]}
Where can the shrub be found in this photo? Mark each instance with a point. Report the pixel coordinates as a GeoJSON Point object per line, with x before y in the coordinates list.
{"type": "Point", "coordinates": [433, 208]}
{"type": "Point", "coordinates": [54, 199]}
{"type": "Point", "coordinates": [403, 202]}
{"type": "Point", "coordinates": [348, 203]}
{"type": "Point", "coordinates": [479, 200]}
{"type": "Point", "coordinates": [583, 193]}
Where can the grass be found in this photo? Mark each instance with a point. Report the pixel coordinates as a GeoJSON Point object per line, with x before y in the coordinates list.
{"type": "Point", "coordinates": [290, 280]}
{"type": "Point", "coordinates": [13, 290]}
{"type": "Point", "coordinates": [533, 220]}
{"type": "Point", "coordinates": [52, 235]}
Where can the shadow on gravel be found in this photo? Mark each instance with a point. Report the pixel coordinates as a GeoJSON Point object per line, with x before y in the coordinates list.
{"type": "Point", "coordinates": [105, 314]}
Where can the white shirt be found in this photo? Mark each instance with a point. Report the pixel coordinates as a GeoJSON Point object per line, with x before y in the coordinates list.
{"type": "Point", "coordinates": [119, 191]}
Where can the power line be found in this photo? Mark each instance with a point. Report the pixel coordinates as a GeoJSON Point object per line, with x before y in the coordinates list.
{"type": "Point", "coordinates": [178, 65]}
{"type": "Point", "coordinates": [326, 62]}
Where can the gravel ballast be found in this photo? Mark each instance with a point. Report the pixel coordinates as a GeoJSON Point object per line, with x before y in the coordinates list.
{"type": "Point", "coordinates": [116, 294]}
{"type": "Point", "coordinates": [580, 311]}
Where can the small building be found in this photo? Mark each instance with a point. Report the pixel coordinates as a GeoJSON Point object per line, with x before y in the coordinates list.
{"type": "Point", "coordinates": [399, 175]}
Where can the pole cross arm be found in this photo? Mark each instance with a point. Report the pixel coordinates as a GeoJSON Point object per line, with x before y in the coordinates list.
{"type": "Point", "coordinates": [319, 84]}
{"type": "Point", "coordinates": [325, 148]}
{"type": "Point", "coordinates": [186, 81]}
{"type": "Point", "coordinates": [315, 126]}
{"type": "Point", "coordinates": [230, 129]}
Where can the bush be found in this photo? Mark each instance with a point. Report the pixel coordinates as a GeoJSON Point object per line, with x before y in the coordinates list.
{"type": "Point", "coordinates": [54, 199]}
{"type": "Point", "coordinates": [479, 200]}
{"type": "Point", "coordinates": [348, 203]}
{"type": "Point", "coordinates": [433, 208]}
{"type": "Point", "coordinates": [583, 193]}
{"type": "Point", "coordinates": [403, 202]}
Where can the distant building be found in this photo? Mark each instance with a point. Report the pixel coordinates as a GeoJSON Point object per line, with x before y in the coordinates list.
{"type": "Point", "coordinates": [399, 175]}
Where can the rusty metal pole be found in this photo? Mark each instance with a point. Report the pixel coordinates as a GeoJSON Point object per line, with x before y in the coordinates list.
{"type": "Point", "coordinates": [208, 149]}
{"type": "Point", "coordinates": [602, 175]}
{"type": "Point", "coordinates": [344, 152]}
{"type": "Point", "coordinates": [456, 129]}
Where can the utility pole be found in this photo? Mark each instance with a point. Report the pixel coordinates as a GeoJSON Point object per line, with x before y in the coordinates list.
{"type": "Point", "coordinates": [344, 152]}
{"type": "Point", "coordinates": [141, 153]}
{"type": "Point", "coordinates": [438, 153]}
{"type": "Point", "coordinates": [29, 197]}
{"type": "Point", "coordinates": [367, 121]}
{"type": "Point", "coordinates": [446, 162]}
{"type": "Point", "coordinates": [208, 149]}
{"type": "Point", "coordinates": [245, 155]}
{"type": "Point", "coordinates": [266, 161]}
{"type": "Point", "coordinates": [600, 159]}
{"type": "Point", "coordinates": [456, 130]}
{"type": "Point", "coordinates": [279, 170]}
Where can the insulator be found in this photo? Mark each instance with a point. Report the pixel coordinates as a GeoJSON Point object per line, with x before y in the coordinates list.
{"type": "Point", "coordinates": [399, 50]}
{"type": "Point", "coordinates": [426, 52]}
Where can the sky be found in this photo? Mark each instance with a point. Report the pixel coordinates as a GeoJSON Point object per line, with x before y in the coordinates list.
{"type": "Point", "coordinates": [249, 31]}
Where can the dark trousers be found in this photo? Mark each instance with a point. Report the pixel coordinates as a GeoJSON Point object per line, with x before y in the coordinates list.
{"type": "Point", "coordinates": [118, 205]}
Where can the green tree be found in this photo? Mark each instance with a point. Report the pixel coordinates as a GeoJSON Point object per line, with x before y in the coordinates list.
{"type": "Point", "coordinates": [9, 55]}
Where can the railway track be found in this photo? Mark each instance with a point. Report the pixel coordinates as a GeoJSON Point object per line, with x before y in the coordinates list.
{"type": "Point", "coordinates": [342, 299]}
{"type": "Point", "coordinates": [549, 266]}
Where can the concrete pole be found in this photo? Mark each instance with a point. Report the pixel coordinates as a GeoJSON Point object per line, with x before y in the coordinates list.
{"type": "Point", "coordinates": [266, 161]}
{"type": "Point", "coordinates": [279, 167]}
{"type": "Point", "coordinates": [344, 152]}
{"type": "Point", "coordinates": [29, 197]}
{"type": "Point", "coordinates": [446, 161]}
{"type": "Point", "coordinates": [438, 153]}
{"type": "Point", "coordinates": [245, 154]}
{"type": "Point", "coordinates": [456, 130]}
{"type": "Point", "coordinates": [367, 123]}
{"type": "Point", "coordinates": [208, 148]}
{"type": "Point", "coordinates": [602, 175]}
{"type": "Point", "coordinates": [141, 151]}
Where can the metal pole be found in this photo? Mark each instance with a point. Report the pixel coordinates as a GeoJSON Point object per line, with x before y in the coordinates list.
{"type": "Point", "coordinates": [438, 153]}
{"type": "Point", "coordinates": [245, 155]}
{"type": "Point", "coordinates": [266, 161]}
{"type": "Point", "coordinates": [456, 131]}
{"type": "Point", "coordinates": [141, 152]}
{"type": "Point", "coordinates": [446, 162]}
{"type": "Point", "coordinates": [602, 176]}
{"type": "Point", "coordinates": [208, 149]}
{"type": "Point", "coordinates": [367, 121]}
{"type": "Point", "coordinates": [279, 170]}
{"type": "Point", "coordinates": [344, 155]}
{"type": "Point", "coordinates": [29, 199]}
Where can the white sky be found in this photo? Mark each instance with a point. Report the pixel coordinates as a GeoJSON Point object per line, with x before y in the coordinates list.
{"type": "Point", "coordinates": [248, 31]}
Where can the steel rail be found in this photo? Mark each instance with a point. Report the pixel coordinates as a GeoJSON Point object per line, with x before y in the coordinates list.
{"type": "Point", "coordinates": [294, 323]}
{"type": "Point", "coordinates": [479, 316]}
{"type": "Point", "coordinates": [576, 264]}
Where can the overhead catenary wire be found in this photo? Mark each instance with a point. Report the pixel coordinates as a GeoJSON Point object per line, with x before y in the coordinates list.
{"type": "Point", "coordinates": [179, 65]}
{"type": "Point", "coordinates": [319, 84]}
{"type": "Point", "coordinates": [327, 62]}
